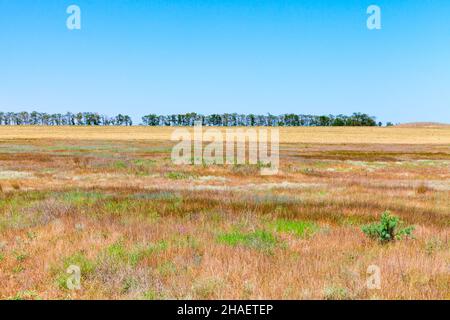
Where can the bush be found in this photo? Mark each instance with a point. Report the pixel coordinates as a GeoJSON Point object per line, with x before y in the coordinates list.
{"type": "Point", "coordinates": [388, 229]}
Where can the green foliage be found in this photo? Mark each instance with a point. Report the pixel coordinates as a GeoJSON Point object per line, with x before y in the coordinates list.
{"type": "Point", "coordinates": [141, 252]}
{"type": "Point", "coordinates": [388, 229]}
{"type": "Point", "coordinates": [78, 259]}
{"type": "Point", "coordinates": [167, 268]}
{"type": "Point", "coordinates": [206, 288]}
{"type": "Point", "coordinates": [150, 295]}
{"type": "Point", "coordinates": [119, 206]}
{"type": "Point", "coordinates": [82, 198]}
{"type": "Point", "coordinates": [174, 175]}
{"type": "Point", "coordinates": [143, 166]}
{"type": "Point", "coordinates": [301, 229]}
{"type": "Point", "coordinates": [117, 252]}
{"type": "Point", "coordinates": [336, 293]}
{"type": "Point", "coordinates": [128, 284]}
{"type": "Point", "coordinates": [187, 119]}
{"type": "Point", "coordinates": [18, 269]}
{"type": "Point", "coordinates": [21, 256]}
{"type": "Point", "coordinates": [25, 295]}
{"type": "Point", "coordinates": [144, 162]}
{"type": "Point", "coordinates": [260, 239]}
{"type": "Point", "coordinates": [120, 165]}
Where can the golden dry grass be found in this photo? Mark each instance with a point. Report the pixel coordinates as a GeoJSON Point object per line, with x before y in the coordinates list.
{"type": "Point", "coordinates": [333, 135]}
{"type": "Point", "coordinates": [110, 201]}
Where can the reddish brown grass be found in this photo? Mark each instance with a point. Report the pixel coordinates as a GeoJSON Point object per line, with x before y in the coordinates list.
{"type": "Point", "coordinates": [143, 228]}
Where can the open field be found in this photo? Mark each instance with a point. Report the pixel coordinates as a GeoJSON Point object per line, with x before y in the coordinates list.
{"type": "Point", "coordinates": [341, 135]}
{"type": "Point", "coordinates": [110, 200]}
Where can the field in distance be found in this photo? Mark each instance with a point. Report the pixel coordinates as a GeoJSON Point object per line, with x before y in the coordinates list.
{"type": "Point", "coordinates": [109, 201]}
{"type": "Point", "coordinates": [338, 135]}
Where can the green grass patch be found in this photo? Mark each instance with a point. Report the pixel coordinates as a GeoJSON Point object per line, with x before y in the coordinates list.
{"type": "Point", "coordinates": [80, 198]}
{"type": "Point", "coordinates": [120, 206]}
{"type": "Point", "coordinates": [140, 252]}
{"type": "Point", "coordinates": [25, 295]}
{"type": "Point", "coordinates": [144, 162]}
{"type": "Point", "coordinates": [355, 220]}
{"type": "Point", "coordinates": [120, 254]}
{"type": "Point", "coordinates": [167, 268]}
{"type": "Point", "coordinates": [120, 164]}
{"type": "Point", "coordinates": [164, 196]}
{"type": "Point", "coordinates": [301, 229]}
{"type": "Point", "coordinates": [260, 239]}
{"type": "Point", "coordinates": [78, 259]}
{"type": "Point", "coordinates": [151, 295]}
{"type": "Point", "coordinates": [21, 256]}
{"type": "Point", "coordinates": [176, 175]}
{"type": "Point", "coordinates": [114, 258]}
{"type": "Point", "coordinates": [185, 241]}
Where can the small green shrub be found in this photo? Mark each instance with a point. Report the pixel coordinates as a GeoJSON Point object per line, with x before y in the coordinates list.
{"type": "Point", "coordinates": [388, 229]}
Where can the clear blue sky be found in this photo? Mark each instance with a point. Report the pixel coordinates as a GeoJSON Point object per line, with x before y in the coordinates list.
{"type": "Point", "coordinates": [279, 56]}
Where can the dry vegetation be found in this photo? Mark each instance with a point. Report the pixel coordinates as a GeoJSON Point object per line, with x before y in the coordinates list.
{"type": "Point", "coordinates": [378, 135]}
{"type": "Point", "coordinates": [110, 201]}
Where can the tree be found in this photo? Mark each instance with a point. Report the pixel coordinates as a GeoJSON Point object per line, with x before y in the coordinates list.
{"type": "Point", "coordinates": [187, 119]}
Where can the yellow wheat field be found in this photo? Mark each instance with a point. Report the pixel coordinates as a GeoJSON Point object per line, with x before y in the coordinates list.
{"type": "Point", "coordinates": [333, 135]}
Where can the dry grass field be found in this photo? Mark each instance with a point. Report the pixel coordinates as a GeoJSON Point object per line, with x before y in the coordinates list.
{"type": "Point", "coordinates": [110, 201]}
{"type": "Point", "coordinates": [348, 135]}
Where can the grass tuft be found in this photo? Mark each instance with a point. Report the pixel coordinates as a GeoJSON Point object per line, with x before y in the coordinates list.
{"type": "Point", "coordinates": [302, 229]}
{"type": "Point", "coordinates": [260, 240]}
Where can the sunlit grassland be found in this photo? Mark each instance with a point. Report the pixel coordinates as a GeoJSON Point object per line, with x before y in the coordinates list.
{"type": "Point", "coordinates": [389, 135]}
{"type": "Point", "coordinates": [139, 227]}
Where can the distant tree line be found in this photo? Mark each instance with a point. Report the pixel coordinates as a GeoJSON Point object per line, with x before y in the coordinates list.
{"type": "Point", "coordinates": [187, 119]}
{"type": "Point", "coordinates": [249, 120]}
{"type": "Point", "coordinates": [67, 119]}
